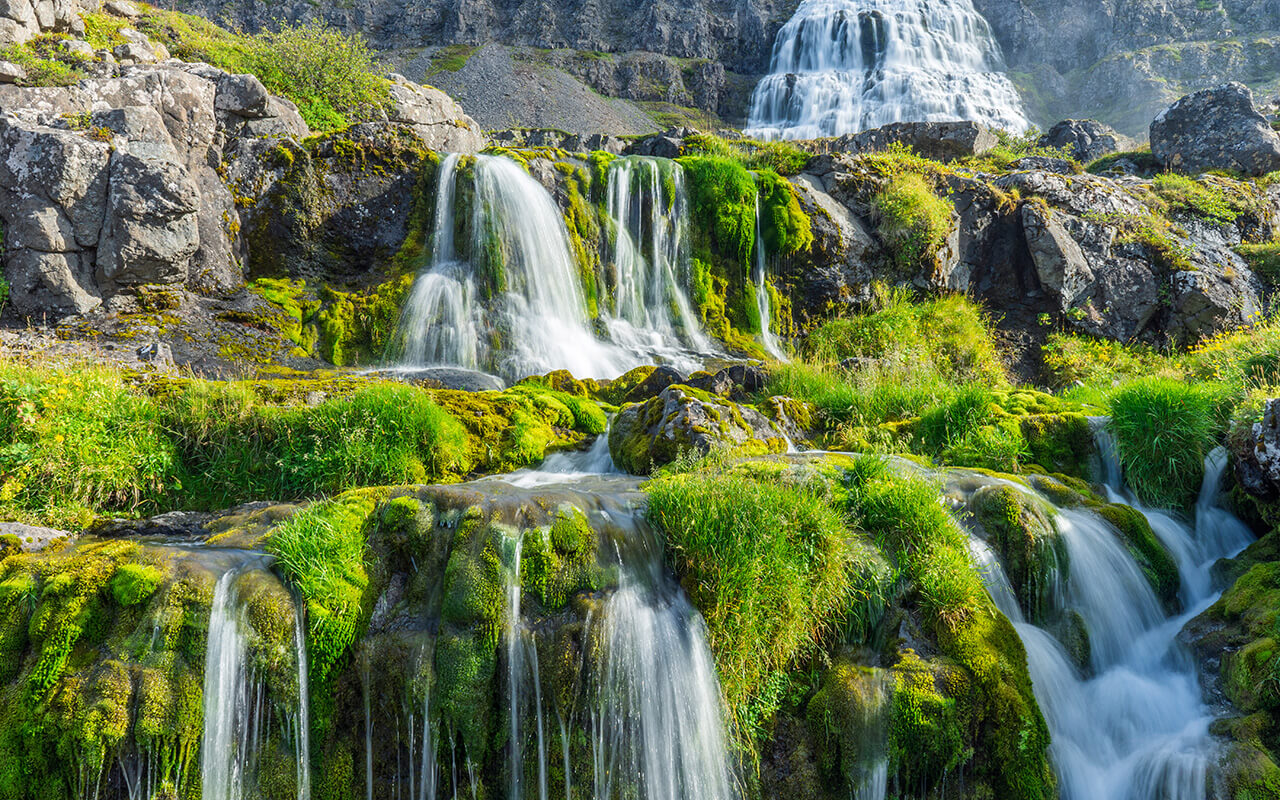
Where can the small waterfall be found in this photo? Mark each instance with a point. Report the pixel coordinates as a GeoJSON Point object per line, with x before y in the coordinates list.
{"type": "Point", "coordinates": [760, 277]}
{"type": "Point", "coordinates": [515, 306]}
{"type": "Point", "coordinates": [842, 66]}
{"type": "Point", "coordinates": [659, 730]}
{"type": "Point", "coordinates": [1137, 728]}
{"type": "Point", "coordinates": [567, 467]}
{"type": "Point", "coordinates": [649, 208]}
{"type": "Point", "coordinates": [242, 718]}
{"type": "Point", "coordinates": [524, 687]}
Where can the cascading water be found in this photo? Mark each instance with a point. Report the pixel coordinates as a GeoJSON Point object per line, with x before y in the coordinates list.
{"type": "Point", "coordinates": [516, 305]}
{"type": "Point", "coordinates": [243, 717]}
{"type": "Point", "coordinates": [650, 309]}
{"type": "Point", "coordinates": [760, 277]}
{"type": "Point", "coordinates": [1136, 727]}
{"type": "Point", "coordinates": [842, 66]}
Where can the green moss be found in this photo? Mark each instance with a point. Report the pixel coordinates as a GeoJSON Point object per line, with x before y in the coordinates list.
{"type": "Point", "coordinates": [926, 741]}
{"type": "Point", "coordinates": [787, 230]}
{"type": "Point", "coordinates": [848, 721]}
{"type": "Point", "coordinates": [134, 583]}
{"type": "Point", "coordinates": [1060, 443]}
{"type": "Point", "coordinates": [1023, 533]}
{"type": "Point", "coordinates": [1157, 564]}
{"type": "Point", "coordinates": [912, 221]}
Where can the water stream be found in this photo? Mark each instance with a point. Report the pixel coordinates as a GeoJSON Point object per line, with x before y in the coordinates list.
{"type": "Point", "coordinates": [842, 66]}
{"type": "Point", "coordinates": [1135, 726]}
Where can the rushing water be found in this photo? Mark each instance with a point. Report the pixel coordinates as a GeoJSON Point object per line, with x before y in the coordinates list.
{"type": "Point", "coordinates": [842, 66]}
{"type": "Point", "coordinates": [1135, 727]}
{"type": "Point", "coordinates": [760, 277]}
{"type": "Point", "coordinates": [243, 716]}
{"type": "Point", "coordinates": [510, 297]}
{"type": "Point", "coordinates": [650, 309]}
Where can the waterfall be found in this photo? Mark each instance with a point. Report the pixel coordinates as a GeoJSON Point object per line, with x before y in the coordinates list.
{"type": "Point", "coordinates": [760, 277]}
{"type": "Point", "coordinates": [659, 731]}
{"type": "Point", "coordinates": [242, 715]}
{"type": "Point", "coordinates": [1137, 727]}
{"type": "Point", "coordinates": [842, 66]}
{"type": "Point", "coordinates": [650, 310]}
{"type": "Point", "coordinates": [516, 305]}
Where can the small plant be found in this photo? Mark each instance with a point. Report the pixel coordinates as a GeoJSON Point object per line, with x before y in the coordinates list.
{"type": "Point", "coordinates": [1208, 198]}
{"type": "Point", "coordinates": [913, 220]}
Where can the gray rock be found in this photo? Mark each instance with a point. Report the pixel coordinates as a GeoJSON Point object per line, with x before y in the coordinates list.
{"type": "Point", "coordinates": [647, 435]}
{"type": "Point", "coordinates": [1086, 139]}
{"type": "Point", "coordinates": [152, 230]}
{"type": "Point", "coordinates": [32, 538]}
{"type": "Point", "coordinates": [669, 144]}
{"type": "Point", "coordinates": [243, 95]}
{"type": "Point", "coordinates": [1215, 129]}
{"type": "Point", "coordinates": [78, 47]}
{"type": "Point", "coordinates": [11, 72]}
{"type": "Point", "coordinates": [434, 116]}
{"type": "Point", "coordinates": [1045, 164]}
{"type": "Point", "coordinates": [121, 8]}
{"type": "Point", "coordinates": [157, 354]}
{"type": "Point", "coordinates": [942, 141]}
{"type": "Point", "coordinates": [1257, 460]}
{"type": "Point", "coordinates": [1061, 265]}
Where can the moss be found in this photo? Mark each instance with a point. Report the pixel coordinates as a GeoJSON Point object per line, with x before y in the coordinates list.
{"type": "Point", "coordinates": [848, 720]}
{"type": "Point", "coordinates": [926, 741]}
{"type": "Point", "coordinates": [134, 583]}
{"type": "Point", "coordinates": [1060, 443]}
{"type": "Point", "coordinates": [560, 561]}
{"type": "Point", "coordinates": [1026, 538]}
{"type": "Point", "coordinates": [1157, 564]}
{"type": "Point", "coordinates": [787, 229]}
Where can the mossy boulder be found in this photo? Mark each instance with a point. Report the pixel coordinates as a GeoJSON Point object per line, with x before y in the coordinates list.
{"type": "Point", "coordinates": [848, 720]}
{"type": "Point", "coordinates": [1021, 530]}
{"type": "Point", "coordinates": [681, 420]}
{"type": "Point", "coordinates": [1146, 548]}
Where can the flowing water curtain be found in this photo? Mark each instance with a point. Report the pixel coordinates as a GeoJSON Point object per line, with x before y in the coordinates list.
{"type": "Point", "coordinates": [399, 726]}
{"type": "Point", "coordinates": [843, 66]}
{"type": "Point", "coordinates": [1131, 722]}
{"type": "Point", "coordinates": [760, 277]}
{"type": "Point", "coordinates": [649, 208]}
{"type": "Point", "coordinates": [256, 723]}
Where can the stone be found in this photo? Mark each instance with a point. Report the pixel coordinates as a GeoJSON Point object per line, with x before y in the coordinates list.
{"type": "Point", "coordinates": [31, 538]}
{"type": "Point", "coordinates": [157, 354]}
{"type": "Point", "coordinates": [243, 95]}
{"type": "Point", "coordinates": [121, 8]}
{"type": "Point", "coordinates": [645, 436]}
{"type": "Point", "coordinates": [652, 386]}
{"type": "Point", "coordinates": [1257, 464]}
{"type": "Point", "coordinates": [11, 72]}
{"type": "Point", "coordinates": [1046, 164]}
{"type": "Point", "coordinates": [434, 116]}
{"type": "Point", "coordinates": [941, 141]}
{"type": "Point", "coordinates": [1085, 139]}
{"type": "Point", "coordinates": [1061, 265]}
{"type": "Point", "coordinates": [151, 231]}
{"type": "Point", "coordinates": [77, 47]}
{"type": "Point", "coordinates": [669, 144]}
{"type": "Point", "coordinates": [1215, 128]}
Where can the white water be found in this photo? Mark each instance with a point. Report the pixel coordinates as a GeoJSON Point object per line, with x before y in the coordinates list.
{"type": "Point", "coordinates": [659, 730]}
{"type": "Point", "coordinates": [650, 310]}
{"type": "Point", "coordinates": [1137, 728]}
{"type": "Point", "coordinates": [567, 467]}
{"type": "Point", "coordinates": [842, 66]}
{"type": "Point", "coordinates": [536, 319]}
{"type": "Point", "coordinates": [238, 712]}
{"type": "Point", "coordinates": [760, 277]}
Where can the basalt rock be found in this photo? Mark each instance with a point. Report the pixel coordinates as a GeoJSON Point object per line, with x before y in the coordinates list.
{"type": "Point", "coordinates": [1215, 129]}
{"type": "Point", "coordinates": [1085, 139]}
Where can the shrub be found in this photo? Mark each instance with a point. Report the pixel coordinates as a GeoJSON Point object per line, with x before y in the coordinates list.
{"type": "Point", "coordinates": [1208, 198]}
{"type": "Point", "coordinates": [1163, 430]}
{"type": "Point", "coordinates": [1264, 260]}
{"type": "Point", "coordinates": [913, 221]}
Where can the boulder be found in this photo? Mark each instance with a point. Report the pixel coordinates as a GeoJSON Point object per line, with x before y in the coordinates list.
{"type": "Point", "coordinates": [1060, 264]}
{"type": "Point", "coordinates": [1085, 139]}
{"type": "Point", "coordinates": [668, 144]}
{"type": "Point", "coordinates": [1258, 464]}
{"type": "Point", "coordinates": [1046, 164]}
{"type": "Point", "coordinates": [78, 47]}
{"type": "Point", "coordinates": [434, 116]}
{"type": "Point", "coordinates": [243, 96]}
{"type": "Point", "coordinates": [121, 8]}
{"type": "Point", "coordinates": [941, 141]}
{"type": "Point", "coordinates": [1215, 128]}
{"type": "Point", "coordinates": [657, 380]}
{"type": "Point", "coordinates": [647, 435]}
{"type": "Point", "coordinates": [11, 72]}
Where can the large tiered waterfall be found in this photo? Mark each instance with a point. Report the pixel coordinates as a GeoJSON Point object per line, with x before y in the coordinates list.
{"type": "Point", "coordinates": [842, 66]}
{"type": "Point", "coordinates": [1131, 724]}
{"type": "Point", "coordinates": [510, 298]}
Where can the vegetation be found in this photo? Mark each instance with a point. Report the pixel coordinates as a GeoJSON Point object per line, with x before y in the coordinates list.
{"type": "Point", "coordinates": [913, 221]}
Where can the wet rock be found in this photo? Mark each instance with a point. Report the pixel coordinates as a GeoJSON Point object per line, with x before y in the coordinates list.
{"type": "Point", "coordinates": [1086, 139]}
{"type": "Point", "coordinates": [1215, 128]}
{"type": "Point", "coordinates": [647, 435]}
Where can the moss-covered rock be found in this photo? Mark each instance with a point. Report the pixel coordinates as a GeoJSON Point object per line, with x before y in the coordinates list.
{"type": "Point", "coordinates": [680, 420]}
{"type": "Point", "coordinates": [1022, 531]}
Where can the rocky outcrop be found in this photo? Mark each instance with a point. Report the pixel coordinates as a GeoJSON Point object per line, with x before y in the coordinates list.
{"type": "Point", "coordinates": [645, 436]}
{"type": "Point", "coordinates": [941, 141]}
{"type": "Point", "coordinates": [22, 20]}
{"type": "Point", "coordinates": [1257, 462]}
{"type": "Point", "coordinates": [1215, 129]}
{"type": "Point", "coordinates": [1084, 139]}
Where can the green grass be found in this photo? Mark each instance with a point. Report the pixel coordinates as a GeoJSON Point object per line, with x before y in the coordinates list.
{"type": "Point", "coordinates": [450, 58]}
{"type": "Point", "coordinates": [1264, 260]}
{"type": "Point", "coordinates": [1163, 430]}
{"type": "Point", "coordinates": [912, 220]}
{"type": "Point", "coordinates": [45, 62]}
{"type": "Point", "coordinates": [781, 157]}
{"type": "Point", "coordinates": [773, 569]}
{"type": "Point", "coordinates": [1210, 197]}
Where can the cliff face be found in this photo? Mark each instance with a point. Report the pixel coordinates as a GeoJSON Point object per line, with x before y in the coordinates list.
{"type": "Point", "coordinates": [1118, 61]}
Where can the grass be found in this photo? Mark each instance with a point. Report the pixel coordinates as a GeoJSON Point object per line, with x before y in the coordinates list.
{"type": "Point", "coordinates": [781, 157]}
{"type": "Point", "coordinates": [1264, 260]}
{"type": "Point", "coordinates": [773, 568]}
{"type": "Point", "coordinates": [1210, 197]}
{"type": "Point", "coordinates": [45, 62]}
{"type": "Point", "coordinates": [1163, 430]}
{"type": "Point", "coordinates": [912, 220]}
{"type": "Point", "coordinates": [334, 78]}
{"type": "Point", "coordinates": [81, 440]}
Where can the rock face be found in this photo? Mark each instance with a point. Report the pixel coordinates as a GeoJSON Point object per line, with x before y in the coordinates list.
{"type": "Point", "coordinates": [1257, 464]}
{"type": "Point", "coordinates": [647, 435]}
{"type": "Point", "coordinates": [1085, 139]}
{"type": "Point", "coordinates": [1215, 129]}
{"type": "Point", "coordinates": [941, 141]}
